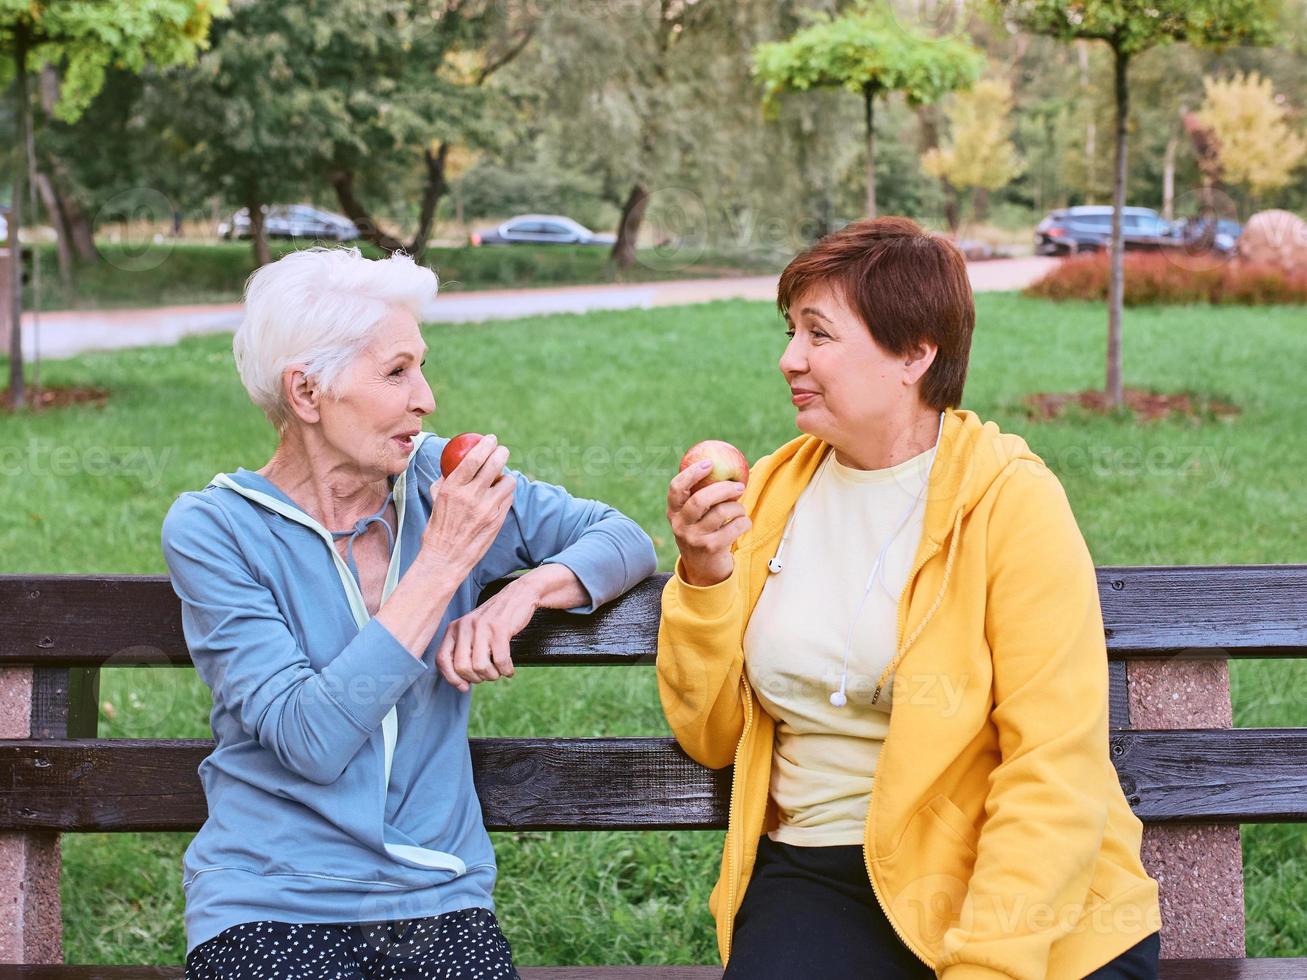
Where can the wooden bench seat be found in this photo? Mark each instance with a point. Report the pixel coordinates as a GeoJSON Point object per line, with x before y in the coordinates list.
{"type": "Point", "coordinates": [60, 631]}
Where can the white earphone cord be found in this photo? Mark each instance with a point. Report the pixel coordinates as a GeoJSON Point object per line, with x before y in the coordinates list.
{"type": "Point", "coordinates": [840, 698]}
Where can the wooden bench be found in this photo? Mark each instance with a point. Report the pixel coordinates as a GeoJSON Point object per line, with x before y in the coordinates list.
{"type": "Point", "coordinates": [1191, 778]}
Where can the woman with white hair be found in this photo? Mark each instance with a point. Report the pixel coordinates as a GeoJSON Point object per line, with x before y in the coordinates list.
{"type": "Point", "coordinates": [329, 601]}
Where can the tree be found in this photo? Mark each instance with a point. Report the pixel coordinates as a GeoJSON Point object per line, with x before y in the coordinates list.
{"type": "Point", "coordinates": [651, 104]}
{"type": "Point", "coordinates": [411, 95]}
{"type": "Point", "coordinates": [1130, 28]}
{"type": "Point", "coordinates": [83, 40]}
{"type": "Point", "coordinates": [1254, 143]}
{"type": "Point", "coordinates": [662, 28]}
{"type": "Point", "coordinates": [349, 97]}
{"type": "Point", "coordinates": [867, 52]}
{"type": "Point", "coordinates": [979, 152]}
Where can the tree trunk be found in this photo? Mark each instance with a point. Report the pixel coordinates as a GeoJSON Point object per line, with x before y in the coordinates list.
{"type": "Point", "coordinates": [928, 127]}
{"type": "Point", "coordinates": [258, 231]}
{"type": "Point", "coordinates": [54, 209]}
{"type": "Point", "coordinates": [1116, 285]}
{"type": "Point", "coordinates": [79, 227]}
{"type": "Point", "coordinates": [980, 204]}
{"type": "Point", "coordinates": [436, 188]}
{"type": "Point", "coordinates": [17, 392]}
{"type": "Point", "coordinates": [1168, 178]}
{"type": "Point", "coordinates": [80, 232]}
{"type": "Point", "coordinates": [1091, 127]}
{"type": "Point", "coordinates": [343, 182]}
{"type": "Point", "coordinates": [952, 207]}
{"type": "Point", "coordinates": [869, 104]}
{"type": "Point", "coordinates": [628, 229]}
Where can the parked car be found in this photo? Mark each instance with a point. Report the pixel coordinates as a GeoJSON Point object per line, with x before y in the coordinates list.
{"type": "Point", "coordinates": [1089, 229]}
{"type": "Point", "coordinates": [292, 221]}
{"type": "Point", "coordinates": [1219, 235]}
{"type": "Point", "coordinates": [541, 229]}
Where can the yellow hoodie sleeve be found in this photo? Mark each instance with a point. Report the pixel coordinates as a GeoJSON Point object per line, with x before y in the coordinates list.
{"type": "Point", "coordinates": [1045, 811]}
{"type": "Point", "coordinates": [700, 661]}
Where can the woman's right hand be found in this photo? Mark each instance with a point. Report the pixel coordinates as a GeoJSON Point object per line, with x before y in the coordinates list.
{"type": "Point", "coordinates": [469, 506]}
{"type": "Point", "coordinates": [705, 524]}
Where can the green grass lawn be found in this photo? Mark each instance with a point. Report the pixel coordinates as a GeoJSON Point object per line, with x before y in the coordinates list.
{"type": "Point", "coordinates": [166, 274]}
{"type": "Point", "coordinates": [605, 403]}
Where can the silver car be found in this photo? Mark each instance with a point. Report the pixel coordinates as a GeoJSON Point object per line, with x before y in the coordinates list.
{"type": "Point", "coordinates": [541, 229]}
{"type": "Point", "coordinates": [292, 221]}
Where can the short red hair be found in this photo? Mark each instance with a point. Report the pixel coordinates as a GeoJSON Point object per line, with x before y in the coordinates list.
{"type": "Point", "coordinates": [908, 287]}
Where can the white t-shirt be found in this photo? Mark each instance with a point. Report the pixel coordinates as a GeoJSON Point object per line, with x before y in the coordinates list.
{"type": "Point", "coordinates": [825, 756]}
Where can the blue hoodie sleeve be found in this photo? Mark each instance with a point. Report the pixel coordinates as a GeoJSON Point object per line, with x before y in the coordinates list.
{"type": "Point", "coordinates": [607, 551]}
{"type": "Point", "coordinates": [313, 721]}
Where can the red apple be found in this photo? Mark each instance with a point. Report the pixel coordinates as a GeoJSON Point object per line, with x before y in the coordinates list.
{"type": "Point", "coordinates": [728, 462]}
{"type": "Point", "coordinates": [455, 450]}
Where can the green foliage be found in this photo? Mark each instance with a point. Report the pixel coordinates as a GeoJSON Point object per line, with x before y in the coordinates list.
{"type": "Point", "coordinates": [492, 190]}
{"type": "Point", "coordinates": [1255, 142]}
{"type": "Point", "coordinates": [85, 39]}
{"type": "Point", "coordinates": [1130, 27]}
{"type": "Point", "coordinates": [866, 50]}
{"type": "Point", "coordinates": [979, 151]}
{"type": "Point", "coordinates": [291, 94]}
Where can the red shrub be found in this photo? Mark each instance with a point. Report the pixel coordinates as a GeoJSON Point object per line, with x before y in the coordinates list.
{"type": "Point", "coordinates": [1156, 278]}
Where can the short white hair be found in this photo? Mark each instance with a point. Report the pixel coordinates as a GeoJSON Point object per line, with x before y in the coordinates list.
{"type": "Point", "coordinates": [319, 307]}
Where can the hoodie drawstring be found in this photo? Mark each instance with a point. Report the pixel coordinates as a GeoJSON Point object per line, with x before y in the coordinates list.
{"type": "Point", "coordinates": [360, 528]}
{"type": "Point", "coordinates": [934, 607]}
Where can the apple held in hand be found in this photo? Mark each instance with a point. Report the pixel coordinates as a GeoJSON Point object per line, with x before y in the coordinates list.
{"type": "Point", "coordinates": [455, 450]}
{"type": "Point", "coordinates": [728, 462]}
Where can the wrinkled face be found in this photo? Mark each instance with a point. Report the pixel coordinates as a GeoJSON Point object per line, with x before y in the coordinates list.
{"type": "Point", "coordinates": [842, 382]}
{"type": "Point", "coordinates": [383, 398]}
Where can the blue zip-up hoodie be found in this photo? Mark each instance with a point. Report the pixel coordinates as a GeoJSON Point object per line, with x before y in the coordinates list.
{"type": "Point", "coordinates": [340, 789]}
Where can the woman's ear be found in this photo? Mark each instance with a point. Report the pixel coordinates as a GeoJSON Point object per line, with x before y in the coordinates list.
{"type": "Point", "coordinates": [917, 362]}
{"type": "Point", "coordinates": [303, 394]}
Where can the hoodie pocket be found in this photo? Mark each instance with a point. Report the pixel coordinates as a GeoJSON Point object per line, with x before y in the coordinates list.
{"type": "Point", "coordinates": [924, 879]}
{"type": "Point", "coordinates": [951, 816]}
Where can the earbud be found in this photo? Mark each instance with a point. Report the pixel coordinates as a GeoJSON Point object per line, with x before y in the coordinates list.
{"type": "Point", "coordinates": [838, 699]}
{"type": "Point", "coordinates": [775, 565]}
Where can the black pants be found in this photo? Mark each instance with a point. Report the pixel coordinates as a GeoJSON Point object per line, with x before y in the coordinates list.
{"type": "Point", "coordinates": [810, 912]}
{"type": "Point", "coordinates": [465, 944]}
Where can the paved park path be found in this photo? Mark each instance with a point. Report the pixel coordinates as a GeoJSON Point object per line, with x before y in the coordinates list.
{"type": "Point", "coordinates": [70, 332]}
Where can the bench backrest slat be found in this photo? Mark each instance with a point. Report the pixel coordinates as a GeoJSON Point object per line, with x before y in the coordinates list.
{"type": "Point", "coordinates": [1197, 611]}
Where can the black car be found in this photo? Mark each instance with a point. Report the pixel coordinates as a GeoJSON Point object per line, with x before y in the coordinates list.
{"type": "Point", "coordinates": [1089, 229]}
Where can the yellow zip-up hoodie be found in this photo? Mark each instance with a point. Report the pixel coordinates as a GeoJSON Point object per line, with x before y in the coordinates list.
{"type": "Point", "coordinates": [998, 840]}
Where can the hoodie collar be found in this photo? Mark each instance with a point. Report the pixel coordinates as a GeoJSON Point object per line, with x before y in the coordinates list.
{"type": "Point", "coordinates": [971, 455]}
{"type": "Point", "coordinates": [258, 489]}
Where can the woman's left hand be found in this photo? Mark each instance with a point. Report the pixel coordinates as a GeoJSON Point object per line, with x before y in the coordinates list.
{"type": "Point", "coordinates": [475, 647]}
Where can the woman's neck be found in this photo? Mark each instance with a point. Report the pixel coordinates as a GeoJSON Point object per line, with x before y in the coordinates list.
{"type": "Point", "coordinates": [894, 443]}
{"type": "Point", "coordinates": [331, 491]}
